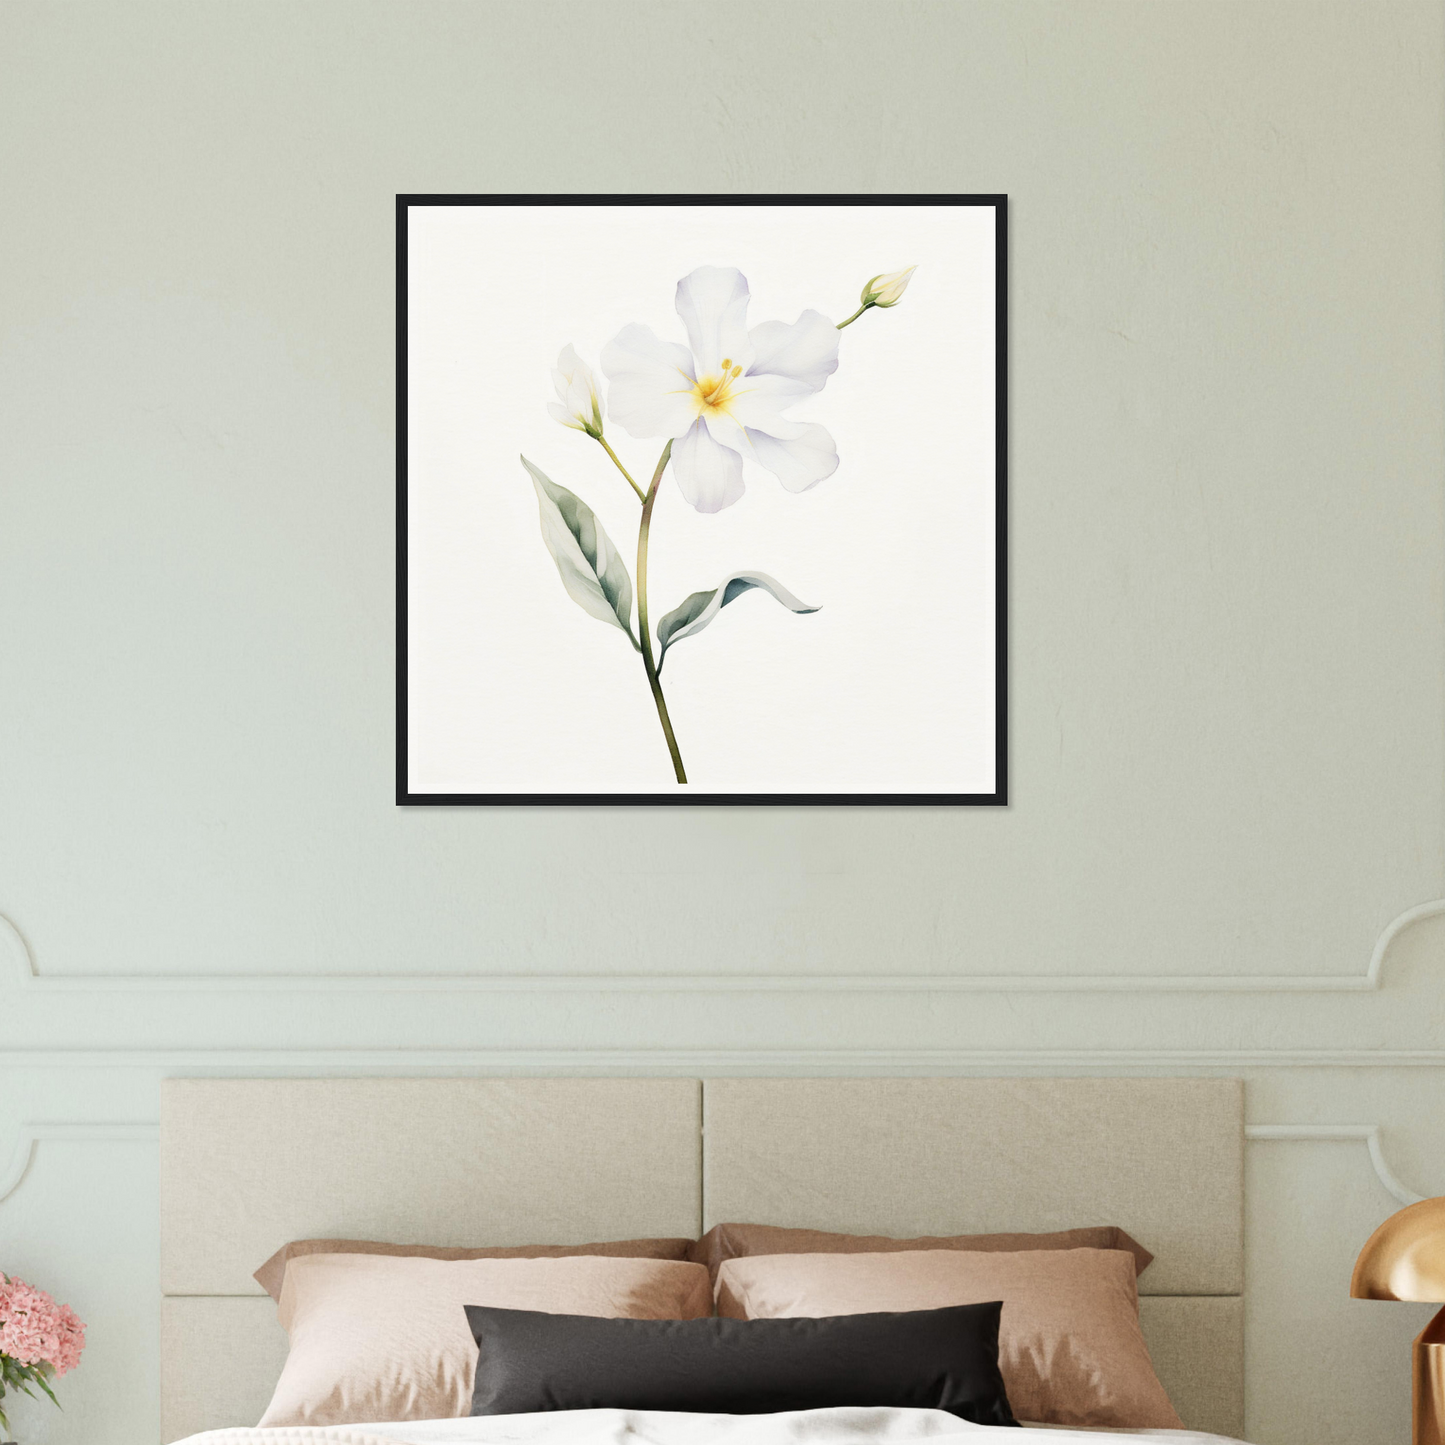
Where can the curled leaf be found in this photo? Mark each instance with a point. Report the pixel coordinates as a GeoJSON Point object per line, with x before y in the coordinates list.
{"type": "Point", "coordinates": [590, 567]}
{"type": "Point", "coordinates": [699, 609]}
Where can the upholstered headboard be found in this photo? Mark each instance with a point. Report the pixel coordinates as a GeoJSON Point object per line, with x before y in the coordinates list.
{"type": "Point", "coordinates": [248, 1164]}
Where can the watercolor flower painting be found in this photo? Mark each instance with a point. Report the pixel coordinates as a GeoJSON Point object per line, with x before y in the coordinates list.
{"type": "Point", "coordinates": [719, 401]}
{"type": "Point", "coordinates": [760, 441]}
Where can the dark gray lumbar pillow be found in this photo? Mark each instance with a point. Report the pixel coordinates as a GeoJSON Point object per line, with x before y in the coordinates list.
{"type": "Point", "coordinates": [943, 1359]}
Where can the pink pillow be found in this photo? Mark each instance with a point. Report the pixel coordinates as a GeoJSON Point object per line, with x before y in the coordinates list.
{"type": "Point", "coordinates": [381, 1337]}
{"type": "Point", "coordinates": [273, 1272]}
{"type": "Point", "coordinates": [734, 1241]}
{"type": "Point", "coordinates": [1070, 1348]}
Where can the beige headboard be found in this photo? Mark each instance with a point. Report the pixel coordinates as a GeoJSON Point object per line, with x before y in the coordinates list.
{"type": "Point", "coordinates": [248, 1164]}
{"type": "Point", "coordinates": [1163, 1158]}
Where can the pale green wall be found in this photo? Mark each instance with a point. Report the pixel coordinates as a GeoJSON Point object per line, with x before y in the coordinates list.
{"type": "Point", "coordinates": [1228, 735]}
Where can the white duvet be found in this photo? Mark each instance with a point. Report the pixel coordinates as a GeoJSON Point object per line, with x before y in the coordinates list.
{"type": "Point", "coordinates": [846, 1425]}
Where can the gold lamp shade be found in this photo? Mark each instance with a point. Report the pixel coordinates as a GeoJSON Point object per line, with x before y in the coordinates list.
{"type": "Point", "coordinates": [1404, 1259]}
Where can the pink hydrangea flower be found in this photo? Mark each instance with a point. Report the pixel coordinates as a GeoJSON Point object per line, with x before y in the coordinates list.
{"type": "Point", "coordinates": [34, 1330]}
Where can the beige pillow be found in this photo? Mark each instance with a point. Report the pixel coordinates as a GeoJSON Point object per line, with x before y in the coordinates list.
{"type": "Point", "coordinates": [270, 1275]}
{"type": "Point", "coordinates": [381, 1337]}
{"type": "Point", "coordinates": [734, 1241]}
{"type": "Point", "coordinates": [1070, 1348]}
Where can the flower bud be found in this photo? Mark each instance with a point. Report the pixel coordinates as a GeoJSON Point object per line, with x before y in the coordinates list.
{"type": "Point", "coordinates": [887, 290]}
{"type": "Point", "coordinates": [579, 402]}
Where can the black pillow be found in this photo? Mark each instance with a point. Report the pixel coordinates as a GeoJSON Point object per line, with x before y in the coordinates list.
{"type": "Point", "coordinates": [937, 1359]}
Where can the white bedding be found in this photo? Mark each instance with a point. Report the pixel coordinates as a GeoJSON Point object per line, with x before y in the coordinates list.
{"type": "Point", "coordinates": [849, 1425]}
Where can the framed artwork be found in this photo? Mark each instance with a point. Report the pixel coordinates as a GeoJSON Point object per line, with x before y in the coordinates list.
{"type": "Point", "coordinates": [701, 499]}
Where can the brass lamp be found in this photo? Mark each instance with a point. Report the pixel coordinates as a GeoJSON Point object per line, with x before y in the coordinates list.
{"type": "Point", "coordinates": [1404, 1259]}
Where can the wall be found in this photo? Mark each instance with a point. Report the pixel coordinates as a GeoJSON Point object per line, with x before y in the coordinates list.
{"type": "Point", "coordinates": [1226, 607]}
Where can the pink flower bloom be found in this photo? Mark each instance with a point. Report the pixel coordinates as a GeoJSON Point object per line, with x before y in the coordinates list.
{"type": "Point", "coordinates": [34, 1330]}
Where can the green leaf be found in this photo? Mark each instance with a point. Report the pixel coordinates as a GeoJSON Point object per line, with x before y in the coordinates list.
{"type": "Point", "coordinates": [700, 609]}
{"type": "Point", "coordinates": [18, 1377]}
{"type": "Point", "coordinates": [589, 565]}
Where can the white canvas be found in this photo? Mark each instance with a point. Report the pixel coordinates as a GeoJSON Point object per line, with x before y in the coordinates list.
{"type": "Point", "coordinates": [888, 688]}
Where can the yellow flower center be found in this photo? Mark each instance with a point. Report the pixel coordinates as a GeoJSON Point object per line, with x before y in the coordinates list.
{"type": "Point", "coordinates": [713, 393]}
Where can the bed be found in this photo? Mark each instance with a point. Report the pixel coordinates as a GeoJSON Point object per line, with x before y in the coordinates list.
{"type": "Point", "coordinates": [248, 1164]}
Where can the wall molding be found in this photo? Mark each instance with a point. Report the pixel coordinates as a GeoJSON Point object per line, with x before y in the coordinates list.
{"type": "Point", "coordinates": [1369, 1134]}
{"type": "Point", "coordinates": [17, 963]}
{"type": "Point", "coordinates": [32, 1135]}
{"type": "Point", "coordinates": [703, 1061]}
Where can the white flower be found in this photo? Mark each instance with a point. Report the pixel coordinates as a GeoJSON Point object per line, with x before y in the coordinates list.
{"type": "Point", "coordinates": [580, 402]}
{"type": "Point", "coordinates": [722, 397]}
{"type": "Point", "coordinates": [887, 290]}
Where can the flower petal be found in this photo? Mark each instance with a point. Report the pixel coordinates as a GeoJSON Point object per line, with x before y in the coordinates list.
{"type": "Point", "coordinates": [581, 394]}
{"type": "Point", "coordinates": [713, 304]}
{"type": "Point", "coordinates": [807, 350]}
{"type": "Point", "coordinates": [725, 430]}
{"type": "Point", "coordinates": [652, 383]}
{"type": "Point", "coordinates": [799, 460]}
{"type": "Point", "coordinates": [711, 476]}
{"type": "Point", "coordinates": [569, 365]}
{"type": "Point", "coordinates": [577, 391]}
{"type": "Point", "coordinates": [759, 400]}
{"type": "Point", "coordinates": [565, 415]}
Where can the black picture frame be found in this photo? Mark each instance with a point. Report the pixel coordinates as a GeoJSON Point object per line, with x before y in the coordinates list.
{"type": "Point", "coordinates": [405, 797]}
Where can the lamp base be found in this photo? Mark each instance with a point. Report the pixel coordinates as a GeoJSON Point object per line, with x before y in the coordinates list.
{"type": "Point", "coordinates": [1428, 1357]}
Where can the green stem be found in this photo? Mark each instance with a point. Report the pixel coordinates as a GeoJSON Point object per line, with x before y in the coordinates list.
{"type": "Point", "coordinates": [641, 495]}
{"type": "Point", "coordinates": [848, 322]}
{"type": "Point", "coordinates": [642, 627]}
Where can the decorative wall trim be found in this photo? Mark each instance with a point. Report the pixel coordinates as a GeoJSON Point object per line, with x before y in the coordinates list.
{"type": "Point", "coordinates": [31, 1136]}
{"type": "Point", "coordinates": [703, 1062]}
{"type": "Point", "coordinates": [16, 961]}
{"type": "Point", "coordinates": [1368, 1133]}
